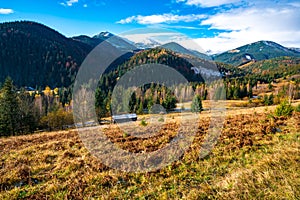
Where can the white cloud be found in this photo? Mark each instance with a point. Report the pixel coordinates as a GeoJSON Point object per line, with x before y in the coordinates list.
{"type": "Point", "coordinates": [6, 11]}
{"type": "Point", "coordinates": [256, 20]}
{"type": "Point", "coordinates": [164, 18]}
{"type": "Point", "coordinates": [263, 19]}
{"type": "Point", "coordinates": [69, 3]}
{"type": "Point", "coordinates": [163, 38]}
{"type": "Point", "coordinates": [280, 24]}
{"type": "Point", "coordinates": [157, 36]}
{"type": "Point", "coordinates": [85, 5]}
{"type": "Point", "coordinates": [208, 3]}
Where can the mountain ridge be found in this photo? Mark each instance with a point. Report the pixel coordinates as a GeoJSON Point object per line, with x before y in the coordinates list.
{"type": "Point", "coordinates": [260, 50]}
{"type": "Point", "coordinates": [33, 54]}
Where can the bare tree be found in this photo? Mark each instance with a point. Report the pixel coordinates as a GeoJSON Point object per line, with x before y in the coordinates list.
{"type": "Point", "coordinates": [84, 105]}
{"type": "Point", "coordinates": [291, 93]}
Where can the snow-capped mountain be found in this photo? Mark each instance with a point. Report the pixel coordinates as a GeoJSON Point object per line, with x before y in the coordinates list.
{"type": "Point", "coordinates": [147, 43]}
{"type": "Point", "coordinates": [116, 41]}
{"type": "Point", "coordinates": [142, 41]}
{"type": "Point", "coordinates": [104, 35]}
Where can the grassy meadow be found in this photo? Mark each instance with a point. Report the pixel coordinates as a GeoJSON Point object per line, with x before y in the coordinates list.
{"type": "Point", "coordinates": [256, 157]}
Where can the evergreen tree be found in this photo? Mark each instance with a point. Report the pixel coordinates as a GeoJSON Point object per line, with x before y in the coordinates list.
{"type": "Point", "coordinates": [266, 100]}
{"type": "Point", "coordinates": [250, 92]}
{"type": "Point", "coordinates": [140, 108]}
{"type": "Point", "coordinates": [196, 104]}
{"type": "Point", "coordinates": [170, 102]}
{"type": "Point", "coordinates": [101, 103]}
{"type": "Point", "coordinates": [271, 99]}
{"type": "Point", "coordinates": [9, 109]}
{"type": "Point", "coordinates": [132, 103]}
{"type": "Point", "coordinates": [150, 103]}
{"type": "Point", "coordinates": [236, 92]}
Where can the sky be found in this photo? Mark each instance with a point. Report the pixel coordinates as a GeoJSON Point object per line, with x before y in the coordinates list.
{"type": "Point", "coordinates": [208, 25]}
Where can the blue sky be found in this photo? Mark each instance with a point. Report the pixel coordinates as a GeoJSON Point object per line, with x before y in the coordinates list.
{"type": "Point", "coordinates": [215, 25]}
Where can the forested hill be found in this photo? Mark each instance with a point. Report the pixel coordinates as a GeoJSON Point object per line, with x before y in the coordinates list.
{"type": "Point", "coordinates": [35, 55]}
{"type": "Point", "coordinates": [257, 51]}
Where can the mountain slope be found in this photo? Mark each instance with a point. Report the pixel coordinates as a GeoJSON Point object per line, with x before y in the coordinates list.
{"type": "Point", "coordinates": [192, 68]}
{"type": "Point", "coordinates": [261, 50]}
{"type": "Point", "coordinates": [93, 42]}
{"type": "Point", "coordinates": [181, 50]}
{"type": "Point", "coordinates": [35, 55]}
{"type": "Point", "coordinates": [277, 67]}
{"type": "Point", "coordinates": [114, 40]}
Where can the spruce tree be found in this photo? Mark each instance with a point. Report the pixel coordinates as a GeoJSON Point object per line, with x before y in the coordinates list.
{"type": "Point", "coordinates": [196, 104]}
{"type": "Point", "coordinates": [132, 103]}
{"type": "Point", "coordinates": [9, 109]}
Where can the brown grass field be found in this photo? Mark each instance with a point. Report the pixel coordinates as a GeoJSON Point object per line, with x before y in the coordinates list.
{"type": "Point", "coordinates": [257, 156]}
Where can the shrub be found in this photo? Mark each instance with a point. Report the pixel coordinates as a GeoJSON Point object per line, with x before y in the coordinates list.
{"type": "Point", "coordinates": [144, 123]}
{"type": "Point", "coordinates": [161, 119]}
{"type": "Point", "coordinates": [284, 109]}
{"type": "Point", "coordinates": [297, 108]}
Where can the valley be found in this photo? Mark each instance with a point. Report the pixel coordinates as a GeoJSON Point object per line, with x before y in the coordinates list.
{"type": "Point", "coordinates": [238, 113]}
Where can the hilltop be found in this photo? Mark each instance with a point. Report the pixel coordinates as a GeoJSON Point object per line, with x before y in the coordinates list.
{"type": "Point", "coordinates": [35, 55]}
{"type": "Point", "coordinates": [257, 51]}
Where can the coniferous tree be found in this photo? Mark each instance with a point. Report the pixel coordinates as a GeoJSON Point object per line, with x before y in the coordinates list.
{"type": "Point", "coordinates": [140, 107]}
{"type": "Point", "coordinates": [236, 92]}
{"type": "Point", "coordinates": [132, 103]}
{"type": "Point", "coordinates": [9, 109]}
{"type": "Point", "coordinates": [196, 104]}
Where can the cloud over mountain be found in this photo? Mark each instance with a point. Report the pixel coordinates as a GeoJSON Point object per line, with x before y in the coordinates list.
{"type": "Point", "coordinates": [162, 18]}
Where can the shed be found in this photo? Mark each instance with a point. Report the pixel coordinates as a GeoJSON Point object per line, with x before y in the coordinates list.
{"type": "Point", "coordinates": [124, 118]}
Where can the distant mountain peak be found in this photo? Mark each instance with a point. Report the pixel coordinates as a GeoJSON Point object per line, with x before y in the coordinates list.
{"type": "Point", "coordinates": [104, 34]}
{"type": "Point", "coordinates": [260, 50]}
{"type": "Point", "coordinates": [182, 50]}
{"type": "Point", "coordinates": [147, 43]}
{"type": "Point", "coordinates": [142, 41]}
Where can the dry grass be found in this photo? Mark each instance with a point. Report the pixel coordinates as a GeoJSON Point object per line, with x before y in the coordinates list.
{"type": "Point", "coordinates": [257, 157]}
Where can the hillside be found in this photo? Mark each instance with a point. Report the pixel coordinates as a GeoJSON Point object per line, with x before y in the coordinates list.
{"type": "Point", "coordinates": [256, 157]}
{"type": "Point", "coordinates": [35, 55]}
{"type": "Point", "coordinates": [166, 57]}
{"type": "Point", "coordinates": [261, 50]}
{"type": "Point", "coordinates": [116, 41]}
{"type": "Point", "coordinates": [279, 65]}
{"type": "Point", "coordinates": [93, 42]}
{"type": "Point", "coordinates": [181, 50]}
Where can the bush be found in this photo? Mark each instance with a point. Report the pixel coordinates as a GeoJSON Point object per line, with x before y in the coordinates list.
{"type": "Point", "coordinates": [144, 123]}
{"type": "Point", "coordinates": [57, 120]}
{"type": "Point", "coordinates": [161, 119]}
{"type": "Point", "coordinates": [297, 108]}
{"type": "Point", "coordinates": [284, 109]}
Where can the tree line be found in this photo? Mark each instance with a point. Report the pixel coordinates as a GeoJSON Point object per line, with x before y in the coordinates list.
{"type": "Point", "coordinates": [22, 112]}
